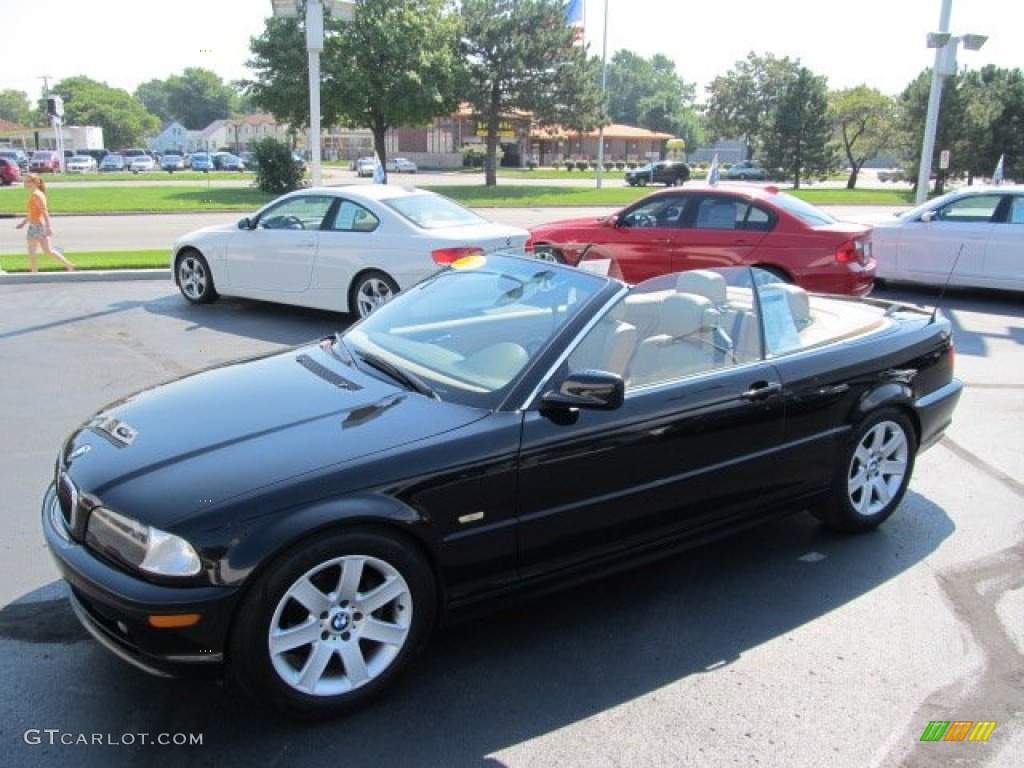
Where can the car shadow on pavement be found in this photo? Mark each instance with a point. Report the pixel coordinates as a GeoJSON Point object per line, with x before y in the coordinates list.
{"type": "Point", "coordinates": [491, 683]}
{"type": "Point", "coordinates": [263, 321]}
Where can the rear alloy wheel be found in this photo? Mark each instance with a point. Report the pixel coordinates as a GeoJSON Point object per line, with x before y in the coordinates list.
{"type": "Point", "coordinates": [195, 281]}
{"type": "Point", "coordinates": [329, 626]}
{"type": "Point", "coordinates": [873, 474]}
{"type": "Point", "coordinates": [371, 290]}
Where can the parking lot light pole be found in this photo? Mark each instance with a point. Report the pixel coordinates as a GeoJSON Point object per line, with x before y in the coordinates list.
{"type": "Point", "coordinates": [314, 45]}
{"type": "Point", "coordinates": [945, 46]}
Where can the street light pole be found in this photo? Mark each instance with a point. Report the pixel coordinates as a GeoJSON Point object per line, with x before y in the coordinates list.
{"type": "Point", "coordinates": [314, 44]}
{"type": "Point", "coordinates": [344, 9]}
{"type": "Point", "coordinates": [604, 97]}
{"type": "Point", "coordinates": [934, 98]}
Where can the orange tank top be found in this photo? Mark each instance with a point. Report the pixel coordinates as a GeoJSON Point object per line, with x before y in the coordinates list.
{"type": "Point", "coordinates": [36, 207]}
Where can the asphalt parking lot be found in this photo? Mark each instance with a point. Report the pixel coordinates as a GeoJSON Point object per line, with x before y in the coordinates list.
{"type": "Point", "coordinates": [784, 646]}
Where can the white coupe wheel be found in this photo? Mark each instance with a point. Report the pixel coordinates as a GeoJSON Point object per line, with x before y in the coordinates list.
{"type": "Point", "coordinates": [195, 281]}
{"type": "Point", "coordinates": [370, 291]}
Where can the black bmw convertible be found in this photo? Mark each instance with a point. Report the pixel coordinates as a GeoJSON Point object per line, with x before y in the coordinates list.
{"type": "Point", "coordinates": [302, 520]}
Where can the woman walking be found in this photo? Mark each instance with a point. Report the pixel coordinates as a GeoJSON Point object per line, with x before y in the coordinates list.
{"type": "Point", "coordinates": [39, 228]}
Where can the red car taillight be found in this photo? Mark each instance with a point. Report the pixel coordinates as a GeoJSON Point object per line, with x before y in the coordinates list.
{"type": "Point", "coordinates": [445, 256]}
{"type": "Point", "coordinates": [853, 252]}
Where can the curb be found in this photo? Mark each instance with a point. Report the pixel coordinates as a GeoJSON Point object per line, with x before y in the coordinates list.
{"type": "Point", "coordinates": [83, 276]}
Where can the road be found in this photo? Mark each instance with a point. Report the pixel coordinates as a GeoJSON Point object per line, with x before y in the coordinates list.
{"type": "Point", "coordinates": [149, 232]}
{"type": "Point", "coordinates": [146, 232]}
{"type": "Point", "coordinates": [783, 646]}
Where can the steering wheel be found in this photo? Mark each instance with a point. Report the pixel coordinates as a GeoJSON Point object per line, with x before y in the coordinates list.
{"type": "Point", "coordinates": [283, 222]}
{"type": "Point", "coordinates": [644, 220]}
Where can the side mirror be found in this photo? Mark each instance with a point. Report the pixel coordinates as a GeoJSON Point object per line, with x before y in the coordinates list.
{"type": "Point", "coordinates": [612, 221]}
{"type": "Point", "coordinates": [245, 223]}
{"type": "Point", "coordinates": [592, 390]}
{"type": "Point", "coordinates": [927, 216]}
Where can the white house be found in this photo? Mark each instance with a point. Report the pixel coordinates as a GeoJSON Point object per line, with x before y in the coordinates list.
{"type": "Point", "coordinates": [173, 136]}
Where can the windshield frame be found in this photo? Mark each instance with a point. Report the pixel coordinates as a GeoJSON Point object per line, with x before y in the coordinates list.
{"type": "Point", "coordinates": [475, 332]}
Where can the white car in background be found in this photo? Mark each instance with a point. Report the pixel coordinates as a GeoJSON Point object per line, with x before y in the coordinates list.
{"type": "Point", "coordinates": [973, 237]}
{"type": "Point", "coordinates": [365, 166]}
{"type": "Point", "coordinates": [347, 249]}
{"type": "Point", "coordinates": [401, 165]}
{"type": "Point", "coordinates": [141, 163]}
{"type": "Point", "coordinates": [81, 164]}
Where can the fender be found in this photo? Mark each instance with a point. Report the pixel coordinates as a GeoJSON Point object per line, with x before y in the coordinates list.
{"type": "Point", "coordinates": [894, 391]}
{"type": "Point", "coordinates": [287, 527]}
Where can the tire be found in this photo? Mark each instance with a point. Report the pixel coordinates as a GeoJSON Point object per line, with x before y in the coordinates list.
{"type": "Point", "coordinates": [873, 473]}
{"type": "Point", "coordinates": [369, 291]}
{"type": "Point", "coordinates": [548, 253]}
{"type": "Point", "coordinates": [330, 624]}
{"type": "Point", "coordinates": [194, 278]}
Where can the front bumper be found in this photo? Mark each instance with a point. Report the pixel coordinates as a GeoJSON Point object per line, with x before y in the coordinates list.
{"type": "Point", "coordinates": [115, 607]}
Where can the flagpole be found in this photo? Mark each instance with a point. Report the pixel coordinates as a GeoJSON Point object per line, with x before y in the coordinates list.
{"type": "Point", "coordinates": [604, 97]}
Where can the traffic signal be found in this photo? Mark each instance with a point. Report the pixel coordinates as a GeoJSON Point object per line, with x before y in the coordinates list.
{"type": "Point", "coordinates": [55, 106]}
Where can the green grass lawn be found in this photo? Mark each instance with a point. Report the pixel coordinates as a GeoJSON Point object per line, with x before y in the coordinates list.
{"type": "Point", "coordinates": [158, 259]}
{"type": "Point", "coordinates": [211, 197]}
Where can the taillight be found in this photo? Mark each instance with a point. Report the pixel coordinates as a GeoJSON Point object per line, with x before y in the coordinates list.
{"type": "Point", "coordinates": [853, 252]}
{"type": "Point", "coordinates": [449, 255]}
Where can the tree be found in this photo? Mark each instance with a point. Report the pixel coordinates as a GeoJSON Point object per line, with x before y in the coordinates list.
{"type": "Point", "coordinates": [796, 138]}
{"type": "Point", "coordinates": [125, 122]}
{"type": "Point", "coordinates": [152, 94]}
{"type": "Point", "coordinates": [862, 124]}
{"type": "Point", "coordinates": [648, 93]}
{"type": "Point", "coordinates": [15, 107]}
{"type": "Point", "coordinates": [197, 97]}
{"type": "Point", "coordinates": [520, 57]}
{"type": "Point", "coordinates": [993, 121]}
{"type": "Point", "coordinates": [742, 101]}
{"type": "Point", "coordinates": [395, 64]}
{"type": "Point", "coordinates": [911, 111]}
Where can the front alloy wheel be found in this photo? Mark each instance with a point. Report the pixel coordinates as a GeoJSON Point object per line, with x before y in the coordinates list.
{"type": "Point", "coordinates": [329, 626]}
{"type": "Point", "coordinates": [194, 278]}
{"type": "Point", "coordinates": [874, 473]}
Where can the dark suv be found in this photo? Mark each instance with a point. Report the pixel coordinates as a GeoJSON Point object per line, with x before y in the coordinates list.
{"type": "Point", "coordinates": [668, 172]}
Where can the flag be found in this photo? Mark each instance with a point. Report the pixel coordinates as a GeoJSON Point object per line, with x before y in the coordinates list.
{"type": "Point", "coordinates": [378, 169]}
{"type": "Point", "coordinates": [574, 17]}
{"type": "Point", "coordinates": [713, 173]}
{"type": "Point", "coordinates": [997, 177]}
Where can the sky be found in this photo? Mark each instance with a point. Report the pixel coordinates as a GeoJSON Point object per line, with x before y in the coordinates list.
{"type": "Point", "coordinates": [880, 43]}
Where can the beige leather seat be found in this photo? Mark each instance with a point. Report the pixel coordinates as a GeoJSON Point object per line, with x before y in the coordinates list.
{"type": "Point", "coordinates": [681, 347]}
{"type": "Point", "coordinates": [608, 346]}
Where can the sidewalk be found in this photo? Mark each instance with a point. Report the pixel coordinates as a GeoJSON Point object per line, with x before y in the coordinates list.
{"type": "Point", "coordinates": [82, 276]}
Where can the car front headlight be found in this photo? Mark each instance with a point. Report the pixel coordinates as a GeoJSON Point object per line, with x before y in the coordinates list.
{"type": "Point", "coordinates": [147, 548]}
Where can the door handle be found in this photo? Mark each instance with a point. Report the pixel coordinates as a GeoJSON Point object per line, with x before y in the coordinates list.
{"type": "Point", "coordinates": [762, 390]}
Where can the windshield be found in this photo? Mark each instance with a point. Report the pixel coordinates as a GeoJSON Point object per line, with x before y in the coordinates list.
{"type": "Point", "coordinates": [470, 331]}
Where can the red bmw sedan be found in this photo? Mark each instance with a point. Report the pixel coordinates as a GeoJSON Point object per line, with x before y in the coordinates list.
{"type": "Point", "coordinates": [715, 226]}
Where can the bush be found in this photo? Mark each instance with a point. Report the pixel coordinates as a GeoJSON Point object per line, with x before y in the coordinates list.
{"type": "Point", "coordinates": [569, 165]}
{"type": "Point", "coordinates": [531, 165]}
{"type": "Point", "coordinates": [582, 165]}
{"type": "Point", "coordinates": [276, 169]}
{"type": "Point", "coordinates": [620, 166]}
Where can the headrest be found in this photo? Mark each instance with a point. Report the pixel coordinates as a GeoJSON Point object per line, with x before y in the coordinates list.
{"type": "Point", "coordinates": [703, 282]}
{"type": "Point", "coordinates": [682, 314]}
